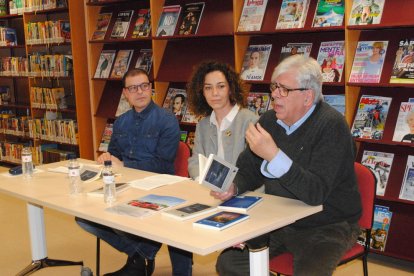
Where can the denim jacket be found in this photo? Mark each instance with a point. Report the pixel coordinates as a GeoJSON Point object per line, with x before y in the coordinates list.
{"type": "Point", "coordinates": [146, 140]}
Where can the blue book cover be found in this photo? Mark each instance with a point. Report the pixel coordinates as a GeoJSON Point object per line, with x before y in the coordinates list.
{"type": "Point", "coordinates": [221, 220]}
{"type": "Point", "coordinates": [240, 203]}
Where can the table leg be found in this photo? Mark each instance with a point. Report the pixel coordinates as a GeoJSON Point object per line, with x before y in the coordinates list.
{"type": "Point", "coordinates": [259, 262]}
{"type": "Point", "coordinates": [38, 243]}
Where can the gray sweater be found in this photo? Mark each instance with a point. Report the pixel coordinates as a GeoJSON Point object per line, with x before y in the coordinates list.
{"type": "Point", "coordinates": [323, 153]}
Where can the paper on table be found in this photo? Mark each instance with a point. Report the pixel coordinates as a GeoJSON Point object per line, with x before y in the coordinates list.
{"type": "Point", "coordinates": [64, 169]}
{"type": "Point", "coordinates": [155, 181]}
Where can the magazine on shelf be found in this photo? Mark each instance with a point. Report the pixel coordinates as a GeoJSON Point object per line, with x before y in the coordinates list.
{"type": "Point", "coordinates": [292, 14]}
{"type": "Point", "coordinates": [368, 61]}
{"type": "Point", "coordinates": [380, 164]}
{"type": "Point", "coordinates": [123, 106]}
{"type": "Point", "coordinates": [221, 220]}
{"type": "Point", "coordinates": [404, 128]}
{"type": "Point", "coordinates": [168, 20]}
{"type": "Point", "coordinates": [336, 101]}
{"type": "Point", "coordinates": [102, 25]}
{"type": "Point", "coordinates": [255, 62]}
{"type": "Point", "coordinates": [365, 12]}
{"type": "Point", "coordinates": [106, 59]}
{"type": "Point", "coordinates": [295, 49]}
{"type": "Point", "coordinates": [190, 18]}
{"type": "Point", "coordinates": [331, 57]}
{"type": "Point", "coordinates": [142, 26]}
{"type": "Point", "coordinates": [329, 13]}
{"type": "Point", "coordinates": [119, 188]}
{"type": "Point", "coordinates": [407, 186]}
{"type": "Point", "coordinates": [190, 139]}
{"type": "Point", "coordinates": [403, 67]}
{"type": "Point", "coordinates": [215, 172]}
{"type": "Point", "coordinates": [240, 204]}
{"type": "Point", "coordinates": [370, 118]}
{"type": "Point", "coordinates": [183, 135]}
{"type": "Point", "coordinates": [258, 102]}
{"type": "Point", "coordinates": [106, 137]}
{"type": "Point", "coordinates": [144, 60]}
{"type": "Point", "coordinates": [176, 101]}
{"type": "Point", "coordinates": [121, 64]}
{"type": "Point", "coordinates": [252, 15]}
{"type": "Point", "coordinates": [190, 117]}
{"type": "Point", "coordinates": [380, 227]}
{"type": "Point", "coordinates": [189, 211]}
{"type": "Point", "coordinates": [121, 26]}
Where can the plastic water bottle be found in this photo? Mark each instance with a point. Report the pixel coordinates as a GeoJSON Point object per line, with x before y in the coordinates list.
{"type": "Point", "coordinates": [75, 185]}
{"type": "Point", "coordinates": [109, 183]}
{"type": "Point", "coordinates": [27, 162]}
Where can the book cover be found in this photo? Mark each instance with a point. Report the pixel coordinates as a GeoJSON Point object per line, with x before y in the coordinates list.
{"type": "Point", "coordinates": [155, 202]}
{"type": "Point", "coordinates": [168, 20]}
{"type": "Point", "coordinates": [295, 49]}
{"type": "Point", "coordinates": [176, 101]}
{"type": "Point", "coordinates": [240, 204]}
{"type": "Point", "coordinates": [142, 26]}
{"type": "Point", "coordinates": [292, 14]}
{"type": "Point", "coordinates": [10, 37]}
{"type": "Point", "coordinates": [216, 173]}
{"type": "Point", "coordinates": [90, 173]}
{"type": "Point", "coordinates": [380, 227]}
{"type": "Point", "coordinates": [221, 220]}
{"type": "Point", "coordinates": [106, 137]}
{"type": "Point", "coordinates": [102, 25]}
{"type": "Point", "coordinates": [258, 102]}
{"type": "Point", "coordinates": [103, 68]}
{"type": "Point", "coordinates": [190, 18]}
{"type": "Point", "coordinates": [336, 101]}
{"type": "Point", "coordinates": [190, 139]}
{"type": "Point", "coordinates": [190, 117]}
{"type": "Point", "coordinates": [331, 57]}
{"type": "Point", "coordinates": [251, 18]}
{"type": "Point", "coordinates": [403, 68]}
{"type": "Point", "coordinates": [121, 25]}
{"type": "Point", "coordinates": [404, 128]}
{"type": "Point", "coordinates": [407, 186]}
{"type": "Point", "coordinates": [121, 64]}
{"type": "Point", "coordinates": [368, 61]}
{"type": "Point", "coordinates": [189, 211]}
{"type": "Point", "coordinates": [255, 62]}
{"type": "Point", "coordinates": [365, 12]}
{"type": "Point", "coordinates": [144, 60]}
{"type": "Point", "coordinates": [370, 118]}
{"type": "Point", "coordinates": [119, 188]}
{"type": "Point", "coordinates": [183, 135]}
{"type": "Point", "coordinates": [380, 164]}
{"type": "Point", "coordinates": [123, 106]}
{"type": "Point", "coordinates": [5, 94]}
{"type": "Point", "coordinates": [65, 30]}
{"type": "Point", "coordinates": [329, 13]}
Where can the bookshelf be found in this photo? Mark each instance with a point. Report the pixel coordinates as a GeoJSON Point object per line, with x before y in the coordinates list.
{"type": "Point", "coordinates": [75, 83]}
{"type": "Point", "coordinates": [217, 38]}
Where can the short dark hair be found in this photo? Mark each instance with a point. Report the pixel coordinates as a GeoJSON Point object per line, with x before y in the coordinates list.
{"type": "Point", "coordinates": [133, 72]}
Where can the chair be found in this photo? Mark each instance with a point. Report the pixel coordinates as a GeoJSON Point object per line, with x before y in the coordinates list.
{"type": "Point", "coordinates": [283, 264]}
{"type": "Point", "coordinates": [181, 169]}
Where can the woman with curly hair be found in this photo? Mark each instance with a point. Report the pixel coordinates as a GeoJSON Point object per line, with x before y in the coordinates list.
{"type": "Point", "coordinates": [216, 91]}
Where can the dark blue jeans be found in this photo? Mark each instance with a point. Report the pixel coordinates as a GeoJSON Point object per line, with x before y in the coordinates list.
{"type": "Point", "coordinates": [130, 244]}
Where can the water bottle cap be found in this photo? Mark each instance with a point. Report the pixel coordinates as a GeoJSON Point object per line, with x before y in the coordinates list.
{"type": "Point", "coordinates": [71, 156]}
{"type": "Point", "coordinates": [107, 163]}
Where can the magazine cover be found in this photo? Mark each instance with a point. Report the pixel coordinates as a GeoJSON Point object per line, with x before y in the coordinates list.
{"type": "Point", "coordinates": [168, 20]}
{"type": "Point", "coordinates": [121, 25]}
{"type": "Point", "coordinates": [380, 227]}
{"type": "Point", "coordinates": [331, 57]}
{"type": "Point", "coordinates": [142, 26]}
{"type": "Point", "coordinates": [368, 61]}
{"type": "Point", "coordinates": [329, 13]}
{"type": "Point", "coordinates": [121, 63]}
{"type": "Point", "coordinates": [123, 106]}
{"type": "Point", "coordinates": [106, 137]}
{"type": "Point", "coordinates": [252, 15]}
{"type": "Point", "coordinates": [191, 17]}
{"type": "Point", "coordinates": [403, 68]}
{"type": "Point", "coordinates": [292, 14]}
{"type": "Point", "coordinates": [144, 60]}
{"type": "Point", "coordinates": [190, 139]}
{"type": "Point", "coordinates": [255, 62]}
{"type": "Point", "coordinates": [404, 128]}
{"type": "Point", "coordinates": [258, 102]}
{"type": "Point", "coordinates": [370, 118]}
{"type": "Point", "coordinates": [366, 12]}
{"type": "Point", "coordinates": [295, 48]}
{"type": "Point", "coordinates": [105, 62]}
{"type": "Point", "coordinates": [176, 101]}
{"type": "Point", "coordinates": [102, 26]}
{"type": "Point", "coordinates": [336, 101]}
{"type": "Point", "coordinates": [407, 187]}
{"type": "Point", "coordinates": [380, 164]}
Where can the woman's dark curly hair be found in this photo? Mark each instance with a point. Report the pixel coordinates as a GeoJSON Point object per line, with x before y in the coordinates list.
{"type": "Point", "coordinates": [197, 102]}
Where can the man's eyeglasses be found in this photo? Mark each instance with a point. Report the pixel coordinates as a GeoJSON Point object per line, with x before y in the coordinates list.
{"type": "Point", "coordinates": [284, 91]}
{"type": "Point", "coordinates": [145, 86]}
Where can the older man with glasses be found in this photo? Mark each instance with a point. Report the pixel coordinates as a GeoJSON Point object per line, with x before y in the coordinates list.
{"type": "Point", "coordinates": [302, 149]}
{"type": "Point", "coordinates": [146, 138]}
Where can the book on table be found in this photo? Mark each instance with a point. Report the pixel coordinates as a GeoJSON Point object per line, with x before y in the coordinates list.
{"type": "Point", "coordinates": [189, 211]}
{"type": "Point", "coordinates": [104, 66]}
{"type": "Point", "coordinates": [240, 204]}
{"type": "Point", "coordinates": [102, 25]}
{"type": "Point", "coordinates": [365, 12]}
{"type": "Point", "coordinates": [403, 67]}
{"type": "Point", "coordinates": [251, 18]}
{"type": "Point", "coordinates": [99, 192]}
{"type": "Point", "coordinates": [329, 13]}
{"type": "Point", "coordinates": [221, 220]}
{"type": "Point", "coordinates": [215, 172]}
{"type": "Point", "coordinates": [121, 26]}
{"type": "Point", "coordinates": [168, 20]}
{"type": "Point", "coordinates": [404, 128]}
{"type": "Point", "coordinates": [190, 18]}
{"type": "Point", "coordinates": [331, 57]}
{"type": "Point", "coordinates": [255, 62]}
